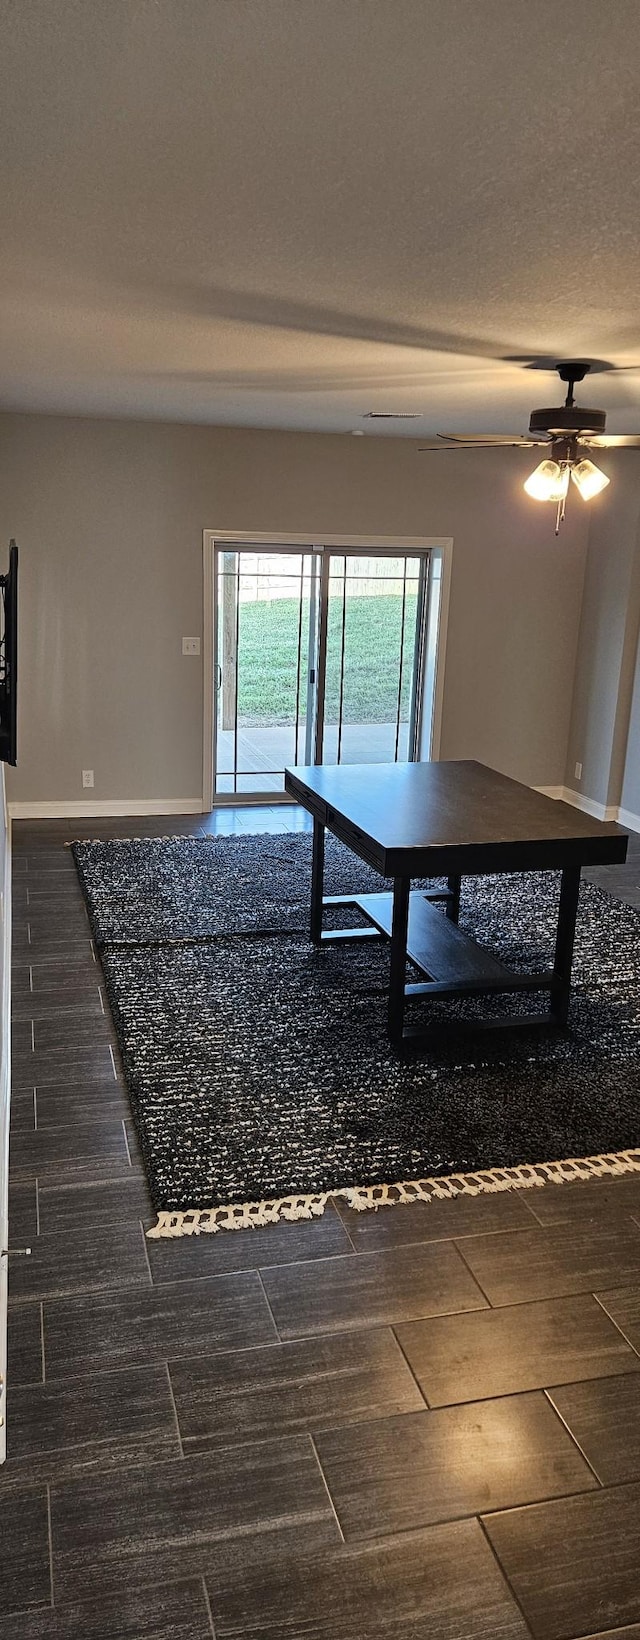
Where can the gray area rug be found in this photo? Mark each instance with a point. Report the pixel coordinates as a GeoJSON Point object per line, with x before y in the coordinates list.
{"type": "Point", "coordinates": [259, 1068]}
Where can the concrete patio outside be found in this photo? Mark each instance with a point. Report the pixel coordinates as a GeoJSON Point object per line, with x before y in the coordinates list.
{"type": "Point", "coordinates": [264, 752]}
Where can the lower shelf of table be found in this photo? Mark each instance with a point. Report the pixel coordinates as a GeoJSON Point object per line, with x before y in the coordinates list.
{"type": "Point", "coordinates": [453, 964]}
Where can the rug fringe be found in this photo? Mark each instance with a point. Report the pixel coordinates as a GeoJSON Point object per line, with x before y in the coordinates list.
{"type": "Point", "coordinates": [160, 837]}
{"type": "Point", "coordinates": [239, 1216]}
{"type": "Point", "coordinates": [365, 1198]}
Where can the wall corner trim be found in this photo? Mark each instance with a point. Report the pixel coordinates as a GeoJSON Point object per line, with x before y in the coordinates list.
{"type": "Point", "coordinates": [627, 818]}
{"type": "Point", "coordinates": [599, 811]}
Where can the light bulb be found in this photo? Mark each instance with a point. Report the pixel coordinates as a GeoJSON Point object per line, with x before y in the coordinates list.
{"type": "Point", "coordinates": [549, 482]}
{"type": "Point", "coordinates": [589, 479]}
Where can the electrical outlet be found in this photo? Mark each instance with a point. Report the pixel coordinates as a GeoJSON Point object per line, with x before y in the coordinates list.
{"type": "Point", "coordinates": [87, 777]}
{"type": "Point", "coordinates": [578, 771]}
{"type": "Point", "coordinates": [191, 646]}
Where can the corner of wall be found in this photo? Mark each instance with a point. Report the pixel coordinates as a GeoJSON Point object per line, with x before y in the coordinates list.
{"type": "Point", "coordinates": [5, 1087]}
{"type": "Point", "coordinates": [607, 648]}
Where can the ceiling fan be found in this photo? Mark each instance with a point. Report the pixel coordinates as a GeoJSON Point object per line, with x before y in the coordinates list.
{"type": "Point", "coordinates": [568, 431]}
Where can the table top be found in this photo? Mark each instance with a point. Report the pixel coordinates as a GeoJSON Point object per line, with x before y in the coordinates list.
{"type": "Point", "coordinates": [408, 818]}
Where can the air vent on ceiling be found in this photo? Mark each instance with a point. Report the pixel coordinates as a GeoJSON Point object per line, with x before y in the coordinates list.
{"type": "Point", "coordinates": [391, 415]}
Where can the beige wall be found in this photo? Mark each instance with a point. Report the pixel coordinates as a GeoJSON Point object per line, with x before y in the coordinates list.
{"type": "Point", "coordinates": [5, 1091]}
{"type": "Point", "coordinates": [109, 517]}
{"type": "Point", "coordinates": [604, 735]}
{"type": "Point", "coordinates": [631, 781]}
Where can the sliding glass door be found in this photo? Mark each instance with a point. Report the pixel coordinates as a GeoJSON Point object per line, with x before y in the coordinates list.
{"type": "Point", "coordinates": [319, 656]}
{"type": "Point", "coordinates": [373, 635]}
{"type": "Point", "coordinates": [266, 627]}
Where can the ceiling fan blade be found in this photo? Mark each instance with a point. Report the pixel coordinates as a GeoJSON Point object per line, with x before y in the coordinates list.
{"type": "Point", "coordinates": [614, 441]}
{"type": "Point", "coordinates": [505, 444]}
{"type": "Point", "coordinates": [505, 440]}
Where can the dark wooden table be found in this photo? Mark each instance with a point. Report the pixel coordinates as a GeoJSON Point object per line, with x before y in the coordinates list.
{"type": "Point", "coordinates": [447, 820]}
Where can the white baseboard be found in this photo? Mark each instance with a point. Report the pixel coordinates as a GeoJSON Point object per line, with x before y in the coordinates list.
{"type": "Point", "coordinates": [627, 818]}
{"type": "Point", "coordinates": [121, 808]}
{"type": "Point", "coordinates": [598, 811]}
{"type": "Point", "coordinates": [105, 809]}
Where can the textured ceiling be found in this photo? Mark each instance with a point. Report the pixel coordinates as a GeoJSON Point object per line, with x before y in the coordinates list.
{"type": "Point", "coordinates": [286, 213]}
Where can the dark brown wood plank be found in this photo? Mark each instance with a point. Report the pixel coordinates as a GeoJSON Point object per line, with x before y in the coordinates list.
{"type": "Point", "coordinates": [41, 862]}
{"type": "Point", "coordinates": [112, 1419]}
{"type": "Point", "coordinates": [629, 1632]}
{"type": "Point", "coordinates": [50, 1151]}
{"type": "Point", "coordinates": [604, 1418]}
{"type": "Point", "coordinates": [524, 1347]}
{"type": "Point", "coordinates": [21, 1039]}
{"type": "Point", "coordinates": [438, 1584]}
{"type": "Point", "coordinates": [87, 1260]}
{"type": "Point", "coordinates": [25, 1579]}
{"type": "Point", "coordinates": [435, 1220]}
{"type": "Point", "coordinates": [23, 1213]}
{"type": "Point", "coordinates": [115, 1330]}
{"type": "Point", "coordinates": [46, 891]}
{"type": "Point", "coordinates": [58, 946]}
{"type": "Point", "coordinates": [71, 1209]}
{"type": "Point", "coordinates": [27, 1005]}
{"type": "Point", "coordinates": [148, 1525]}
{"type": "Point", "coordinates": [548, 1263]}
{"type": "Point", "coordinates": [573, 1564]}
{"type": "Point", "coordinates": [597, 1199]}
{"type": "Point", "coordinates": [93, 1063]}
{"type": "Point", "coordinates": [178, 1612]}
{"type": "Point", "coordinates": [22, 1111]}
{"type": "Point", "coordinates": [71, 1104]}
{"type": "Point", "coordinates": [280, 1243]}
{"type": "Point", "coordinates": [623, 1305]}
{"type": "Point", "coordinates": [30, 836]}
{"type": "Point", "coordinates": [24, 1344]}
{"type": "Point", "coordinates": [372, 1290]}
{"type": "Point", "coordinates": [67, 981]}
{"type": "Point", "coordinates": [67, 923]}
{"type": "Point", "coordinates": [41, 1624]}
{"type": "Point", "coordinates": [426, 1467]}
{"type": "Point", "coordinates": [229, 1400]}
{"type": "Point", "coordinates": [67, 1033]}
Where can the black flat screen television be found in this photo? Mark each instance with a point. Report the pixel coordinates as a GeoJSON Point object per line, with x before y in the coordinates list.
{"type": "Point", "coordinates": [9, 658]}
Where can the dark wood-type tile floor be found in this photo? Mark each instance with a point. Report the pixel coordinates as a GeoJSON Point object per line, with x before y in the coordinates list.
{"type": "Point", "coordinates": [422, 1423]}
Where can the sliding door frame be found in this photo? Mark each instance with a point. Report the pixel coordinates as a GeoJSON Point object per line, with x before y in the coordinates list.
{"type": "Point", "coordinates": [379, 545]}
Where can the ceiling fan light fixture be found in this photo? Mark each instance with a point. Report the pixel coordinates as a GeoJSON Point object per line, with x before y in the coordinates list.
{"type": "Point", "coordinates": [589, 479]}
{"type": "Point", "coordinates": [548, 482]}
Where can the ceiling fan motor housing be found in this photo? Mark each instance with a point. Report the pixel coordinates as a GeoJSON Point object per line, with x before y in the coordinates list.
{"type": "Point", "coordinates": [568, 419]}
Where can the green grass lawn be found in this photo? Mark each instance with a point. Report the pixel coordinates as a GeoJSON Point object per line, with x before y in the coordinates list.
{"type": "Point", "coordinates": [268, 648]}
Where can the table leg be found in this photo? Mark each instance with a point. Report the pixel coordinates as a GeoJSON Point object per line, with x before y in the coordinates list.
{"type": "Point", "coordinates": [567, 911]}
{"type": "Point", "coordinates": [317, 881]}
{"type": "Point", "coordinates": [397, 975]}
{"type": "Point", "coordinates": [453, 905]}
